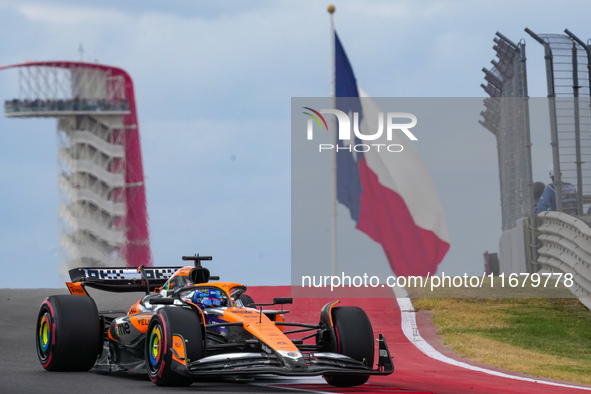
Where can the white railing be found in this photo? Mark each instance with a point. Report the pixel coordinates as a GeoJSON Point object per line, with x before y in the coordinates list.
{"type": "Point", "coordinates": [86, 194]}
{"type": "Point", "coordinates": [86, 137]}
{"type": "Point", "coordinates": [566, 247]}
{"type": "Point", "coordinates": [86, 222]}
{"type": "Point", "coordinates": [111, 178]}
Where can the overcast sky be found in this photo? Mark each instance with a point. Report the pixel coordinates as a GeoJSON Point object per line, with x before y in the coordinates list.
{"type": "Point", "coordinates": [213, 83]}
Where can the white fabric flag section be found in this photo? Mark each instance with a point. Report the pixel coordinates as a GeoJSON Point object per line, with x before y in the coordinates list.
{"type": "Point", "coordinates": [398, 207]}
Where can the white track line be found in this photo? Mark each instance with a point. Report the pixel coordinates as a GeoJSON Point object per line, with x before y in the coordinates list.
{"type": "Point", "coordinates": [411, 331]}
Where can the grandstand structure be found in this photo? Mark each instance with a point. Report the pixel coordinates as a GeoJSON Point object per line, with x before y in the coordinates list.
{"type": "Point", "coordinates": [103, 210]}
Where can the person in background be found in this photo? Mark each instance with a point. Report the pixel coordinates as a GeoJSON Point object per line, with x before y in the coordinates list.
{"type": "Point", "coordinates": [539, 188]}
{"type": "Point", "coordinates": [547, 201]}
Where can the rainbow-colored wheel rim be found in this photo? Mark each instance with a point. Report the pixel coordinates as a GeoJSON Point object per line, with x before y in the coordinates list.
{"type": "Point", "coordinates": [44, 334]}
{"type": "Point", "coordinates": [155, 349]}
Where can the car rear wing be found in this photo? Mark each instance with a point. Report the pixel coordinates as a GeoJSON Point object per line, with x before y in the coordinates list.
{"type": "Point", "coordinates": [122, 279]}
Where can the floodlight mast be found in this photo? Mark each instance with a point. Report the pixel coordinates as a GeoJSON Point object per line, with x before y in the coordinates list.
{"type": "Point", "coordinates": [104, 210]}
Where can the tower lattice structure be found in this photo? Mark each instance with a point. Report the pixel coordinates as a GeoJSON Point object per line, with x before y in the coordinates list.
{"type": "Point", "coordinates": [101, 178]}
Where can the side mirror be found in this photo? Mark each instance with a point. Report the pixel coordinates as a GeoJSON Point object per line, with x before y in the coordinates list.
{"type": "Point", "coordinates": [282, 300]}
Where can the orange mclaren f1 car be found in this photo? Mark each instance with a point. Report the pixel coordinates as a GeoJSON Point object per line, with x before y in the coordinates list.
{"type": "Point", "coordinates": [187, 327]}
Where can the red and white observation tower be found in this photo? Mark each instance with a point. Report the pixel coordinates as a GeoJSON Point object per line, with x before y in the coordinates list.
{"type": "Point", "coordinates": [104, 215]}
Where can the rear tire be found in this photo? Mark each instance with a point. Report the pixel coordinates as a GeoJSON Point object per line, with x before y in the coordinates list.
{"type": "Point", "coordinates": [68, 333]}
{"type": "Point", "coordinates": [354, 338]}
{"type": "Point", "coordinates": [159, 343]}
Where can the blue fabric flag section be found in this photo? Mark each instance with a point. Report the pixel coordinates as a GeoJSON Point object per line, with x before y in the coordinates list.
{"type": "Point", "coordinates": [347, 100]}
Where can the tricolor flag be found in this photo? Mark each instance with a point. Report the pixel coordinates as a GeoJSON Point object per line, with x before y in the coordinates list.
{"type": "Point", "coordinates": [390, 195]}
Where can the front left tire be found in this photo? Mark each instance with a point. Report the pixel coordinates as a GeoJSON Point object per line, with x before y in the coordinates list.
{"type": "Point", "coordinates": [169, 322]}
{"type": "Point", "coordinates": [247, 300]}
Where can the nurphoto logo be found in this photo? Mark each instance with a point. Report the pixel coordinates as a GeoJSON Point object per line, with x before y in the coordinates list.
{"type": "Point", "coordinates": [391, 119]}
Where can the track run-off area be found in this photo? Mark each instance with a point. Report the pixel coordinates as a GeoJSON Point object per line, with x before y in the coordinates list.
{"type": "Point", "coordinates": [421, 365]}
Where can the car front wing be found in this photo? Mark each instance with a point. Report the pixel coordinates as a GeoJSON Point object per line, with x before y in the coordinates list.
{"type": "Point", "coordinates": [316, 363]}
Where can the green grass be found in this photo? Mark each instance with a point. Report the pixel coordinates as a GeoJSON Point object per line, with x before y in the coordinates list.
{"type": "Point", "coordinates": [556, 327]}
{"type": "Point", "coordinates": [541, 337]}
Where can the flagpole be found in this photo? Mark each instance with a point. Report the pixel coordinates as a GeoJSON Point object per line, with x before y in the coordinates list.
{"type": "Point", "coordinates": [331, 10]}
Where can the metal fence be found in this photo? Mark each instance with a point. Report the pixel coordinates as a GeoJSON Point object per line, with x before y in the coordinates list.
{"type": "Point", "coordinates": [567, 77]}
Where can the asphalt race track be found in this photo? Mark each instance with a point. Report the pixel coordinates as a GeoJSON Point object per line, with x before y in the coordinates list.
{"type": "Point", "coordinates": [20, 371]}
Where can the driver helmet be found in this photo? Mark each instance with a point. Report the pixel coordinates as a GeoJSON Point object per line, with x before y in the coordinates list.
{"type": "Point", "coordinates": [207, 298]}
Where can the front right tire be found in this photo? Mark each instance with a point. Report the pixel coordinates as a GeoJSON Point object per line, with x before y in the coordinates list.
{"type": "Point", "coordinates": [354, 338]}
